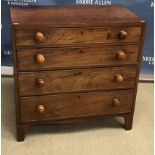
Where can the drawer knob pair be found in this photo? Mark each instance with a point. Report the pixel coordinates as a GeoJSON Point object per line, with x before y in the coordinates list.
{"type": "Point", "coordinates": [121, 55]}
{"type": "Point", "coordinates": [119, 78]}
{"type": "Point", "coordinates": [39, 58]}
{"type": "Point", "coordinates": [41, 109]}
{"type": "Point", "coordinates": [122, 35]}
{"type": "Point", "coordinates": [116, 102]}
{"type": "Point", "coordinates": [39, 37]}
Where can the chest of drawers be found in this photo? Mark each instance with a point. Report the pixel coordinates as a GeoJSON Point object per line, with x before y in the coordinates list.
{"type": "Point", "coordinates": [74, 63]}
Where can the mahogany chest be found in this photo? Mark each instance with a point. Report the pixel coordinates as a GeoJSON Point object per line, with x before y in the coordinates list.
{"type": "Point", "coordinates": [74, 63]}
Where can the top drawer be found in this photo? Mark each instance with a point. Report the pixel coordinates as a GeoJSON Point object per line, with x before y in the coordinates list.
{"type": "Point", "coordinates": [54, 36]}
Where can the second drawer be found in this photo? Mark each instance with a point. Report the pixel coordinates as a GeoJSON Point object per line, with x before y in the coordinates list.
{"type": "Point", "coordinates": [76, 57]}
{"type": "Point", "coordinates": [77, 80]}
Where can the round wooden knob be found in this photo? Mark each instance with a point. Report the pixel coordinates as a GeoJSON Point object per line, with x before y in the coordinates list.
{"type": "Point", "coordinates": [122, 35]}
{"type": "Point", "coordinates": [40, 82]}
{"type": "Point", "coordinates": [119, 78]}
{"type": "Point", "coordinates": [39, 37]}
{"type": "Point", "coordinates": [121, 55]}
{"type": "Point", "coordinates": [40, 58]}
{"type": "Point", "coordinates": [116, 102]}
{"type": "Point", "coordinates": [41, 109]}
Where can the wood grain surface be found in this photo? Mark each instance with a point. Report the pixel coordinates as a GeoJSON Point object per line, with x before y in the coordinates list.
{"type": "Point", "coordinates": [56, 58]}
{"type": "Point", "coordinates": [74, 106]}
{"type": "Point", "coordinates": [66, 63]}
{"type": "Point", "coordinates": [75, 80]}
{"type": "Point", "coordinates": [72, 15]}
{"type": "Point", "coordinates": [83, 35]}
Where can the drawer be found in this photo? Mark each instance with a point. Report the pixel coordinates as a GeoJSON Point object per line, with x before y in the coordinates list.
{"type": "Point", "coordinates": [53, 36]}
{"type": "Point", "coordinates": [55, 107]}
{"type": "Point", "coordinates": [42, 58]}
{"type": "Point", "coordinates": [76, 80]}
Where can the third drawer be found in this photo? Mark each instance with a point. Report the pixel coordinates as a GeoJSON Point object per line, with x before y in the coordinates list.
{"type": "Point", "coordinates": [76, 80]}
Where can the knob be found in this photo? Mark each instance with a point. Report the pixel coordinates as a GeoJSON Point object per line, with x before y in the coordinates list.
{"type": "Point", "coordinates": [119, 78]}
{"type": "Point", "coordinates": [40, 58]}
{"type": "Point", "coordinates": [40, 82]}
{"type": "Point", "coordinates": [121, 55]}
{"type": "Point", "coordinates": [41, 109]}
{"type": "Point", "coordinates": [122, 35]}
{"type": "Point", "coordinates": [39, 37]}
{"type": "Point", "coordinates": [116, 102]}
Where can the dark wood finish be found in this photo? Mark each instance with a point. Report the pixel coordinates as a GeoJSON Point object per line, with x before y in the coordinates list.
{"type": "Point", "coordinates": [139, 60]}
{"type": "Point", "coordinates": [82, 35]}
{"type": "Point", "coordinates": [74, 106]}
{"type": "Point", "coordinates": [128, 121]}
{"type": "Point", "coordinates": [15, 77]}
{"type": "Point", "coordinates": [72, 15]}
{"type": "Point", "coordinates": [76, 80]}
{"type": "Point", "coordinates": [69, 70]}
{"type": "Point", "coordinates": [21, 130]}
{"type": "Point", "coordinates": [76, 57]}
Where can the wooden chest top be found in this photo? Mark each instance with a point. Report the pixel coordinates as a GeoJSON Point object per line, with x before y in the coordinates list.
{"type": "Point", "coordinates": [72, 15]}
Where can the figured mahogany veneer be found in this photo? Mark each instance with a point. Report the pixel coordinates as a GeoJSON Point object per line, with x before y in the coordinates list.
{"type": "Point", "coordinates": [54, 58]}
{"type": "Point", "coordinates": [76, 80]}
{"type": "Point", "coordinates": [74, 63]}
{"type": "Point", "coordinates": [78, 105]}
{"type": "Point", "coordinates": [52, 36]}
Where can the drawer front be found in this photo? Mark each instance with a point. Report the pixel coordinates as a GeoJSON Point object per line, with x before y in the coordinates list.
{"type": "Point", "coordinates": [52, 36]}
{"type": "Point", "coordinates": [55, 107]}
{"type": "Point", "coordinates": [77, 80]}
{"type": "Point", "coordinates": [76, 57]}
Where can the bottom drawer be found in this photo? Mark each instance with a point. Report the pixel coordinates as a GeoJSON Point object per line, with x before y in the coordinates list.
{"type": "Point", "coordinates": [57, 107]}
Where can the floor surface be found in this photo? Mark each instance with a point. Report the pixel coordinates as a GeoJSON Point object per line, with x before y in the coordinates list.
{"type": "Point", "coordinates": [103, 137]}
